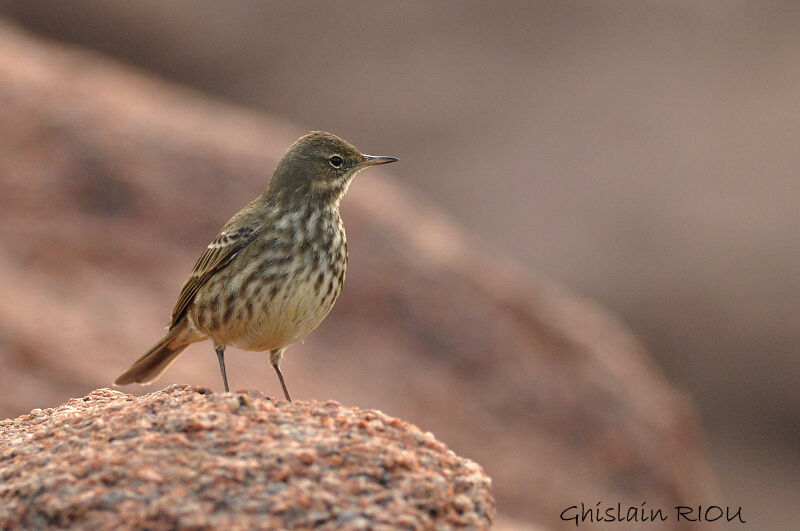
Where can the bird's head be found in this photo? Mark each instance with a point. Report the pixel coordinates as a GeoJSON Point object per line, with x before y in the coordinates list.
{"type": "Point", "coordinates": [319, 167]}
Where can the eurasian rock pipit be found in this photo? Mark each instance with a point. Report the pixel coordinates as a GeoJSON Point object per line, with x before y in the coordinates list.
{"type": "Point", "coordinates": [275, 269]}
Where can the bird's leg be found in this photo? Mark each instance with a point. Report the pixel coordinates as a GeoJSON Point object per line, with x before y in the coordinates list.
{"type": "Point", "coordinates": [275, 359]}
{"type": "Point", "coordinates": [220, 350]}
{"type": "Point", "coordinates": [283, 384]}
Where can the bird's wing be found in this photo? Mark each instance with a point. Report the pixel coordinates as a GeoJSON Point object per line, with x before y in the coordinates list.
{"type": "Point", "coordinates": [219, 253]}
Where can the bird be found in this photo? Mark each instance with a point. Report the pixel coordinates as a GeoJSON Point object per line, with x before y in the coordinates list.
{"type": "Point", "coordinates": [274, 270]}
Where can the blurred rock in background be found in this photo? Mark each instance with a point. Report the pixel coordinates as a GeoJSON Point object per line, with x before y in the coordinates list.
{"type": "Point", "coordinates": [114, 182]}
{"type": "Point", "coordinates": [644, 155]}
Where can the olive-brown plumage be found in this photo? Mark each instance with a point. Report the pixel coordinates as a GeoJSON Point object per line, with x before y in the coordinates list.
{"type": "Point", "coordinates": [275, 269]}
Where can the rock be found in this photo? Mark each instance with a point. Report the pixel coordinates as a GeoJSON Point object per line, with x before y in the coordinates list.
{"type": "Point", "coordinates": [186, 457]}
{"type": "Point", "coordinates": [114, 182]}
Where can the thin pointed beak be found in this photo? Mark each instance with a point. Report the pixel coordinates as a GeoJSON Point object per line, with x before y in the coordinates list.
{"type": "Point", "coordinates": [371, 160]}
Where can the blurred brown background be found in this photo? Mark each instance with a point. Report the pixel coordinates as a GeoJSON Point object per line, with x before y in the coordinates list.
{"type": "Point", "coordinates": [642, 153]}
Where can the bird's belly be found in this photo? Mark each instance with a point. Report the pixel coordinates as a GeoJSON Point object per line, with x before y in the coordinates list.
{"type": "Point", "coordinates": [269, 316]}
{"type": "Point", "coordinates": [290, 316]}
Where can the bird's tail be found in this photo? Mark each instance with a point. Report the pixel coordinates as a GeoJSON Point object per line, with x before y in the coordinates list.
{"type": "Point", "coordinates": [150, 366]}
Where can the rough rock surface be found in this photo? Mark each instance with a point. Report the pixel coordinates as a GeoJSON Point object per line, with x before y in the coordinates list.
{"type": "Point", "coordinates": [114, 182]}
{"type": "Point", "coordinates": [185, 457]}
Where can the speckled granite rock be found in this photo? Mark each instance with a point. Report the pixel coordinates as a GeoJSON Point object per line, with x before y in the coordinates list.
{"type": "Point", "coordinates": [187, 457]}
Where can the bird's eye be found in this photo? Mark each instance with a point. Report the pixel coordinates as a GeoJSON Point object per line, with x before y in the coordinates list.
{"type": "Point", "coordinates": [336, 161]}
